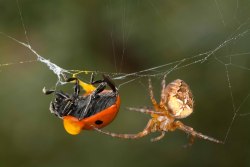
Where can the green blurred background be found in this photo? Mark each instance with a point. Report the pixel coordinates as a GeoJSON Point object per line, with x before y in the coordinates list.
{"type": "Point", "coordinates": [124, 36]}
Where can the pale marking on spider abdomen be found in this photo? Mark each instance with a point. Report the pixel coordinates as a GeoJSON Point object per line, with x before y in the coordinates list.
{"type": "Point", "coordinates": [179, 99]}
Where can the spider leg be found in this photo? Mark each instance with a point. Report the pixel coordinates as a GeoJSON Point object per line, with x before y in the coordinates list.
{"type": "Point", "coordinates": [163, 94]}
{"type": "Point", "coordinates": [158, 137]}
{"type": "Point", "coordinates": [156, 106]}
{"type": "Point", "coordinates": [145, 132]}
{"type": "Point", "coordinates": [145, 111]}
{"type": "Point", "coordinates": [193, 133]}
{"type": "Point", "coordinates": [190, 143]}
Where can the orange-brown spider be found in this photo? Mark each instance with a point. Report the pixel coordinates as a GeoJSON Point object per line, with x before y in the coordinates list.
{"type": "Point", "coordinates": [176, 103]}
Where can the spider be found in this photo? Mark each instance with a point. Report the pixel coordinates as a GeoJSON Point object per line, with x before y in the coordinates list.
{"type": "Point", "coordinates": [176, 103]}
{"type": "Point", "coordinates": [96, 108]}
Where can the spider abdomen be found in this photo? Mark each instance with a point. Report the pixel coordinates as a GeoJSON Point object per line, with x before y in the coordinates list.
{"type": "Point", "coordinates": [179, 99]}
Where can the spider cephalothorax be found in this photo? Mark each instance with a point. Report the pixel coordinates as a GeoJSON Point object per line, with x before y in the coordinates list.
{"type": "Point", "coordinates": [96, 108]}
{"type": "Point", "coordinates": [176, 103]}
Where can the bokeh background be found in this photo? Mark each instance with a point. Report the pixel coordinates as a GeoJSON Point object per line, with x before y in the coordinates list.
{"type": "Point", "coordinates": [124, 36]}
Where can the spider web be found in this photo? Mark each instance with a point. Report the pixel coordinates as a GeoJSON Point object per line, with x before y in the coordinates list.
{"type": "Point", "coordinates": [235, 60]}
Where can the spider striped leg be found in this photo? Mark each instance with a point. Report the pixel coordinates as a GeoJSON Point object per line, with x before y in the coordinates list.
{"type": "Point", "coordinates": [190, 143]}
{"type": "Point", "coordinates": [163, 93]}
{"type": "Point", "coordinates": [141, 134]}
{"type": "Point", "coordinates": [156, 106]}
{"type": "Point", "coordinates": [193, 133]}
{"type": "Point", "coordinates": [158, 137]}
{"type": "Point", "coordinates": [145, 111]}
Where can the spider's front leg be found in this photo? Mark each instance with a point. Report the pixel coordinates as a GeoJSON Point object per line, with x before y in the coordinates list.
{"type": "Point", "coordinates": [163, 93]}
{"type": "Point", "coordinates": [158, 137]}
{"type": "Point", "coordinates": [156, 106]}
{"type": "Point", "coordinates": [193, 133]}
{"type": "Point", "coordinates": [145, 111]}
{"type": "Point", "coordinates": [141, 134]}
